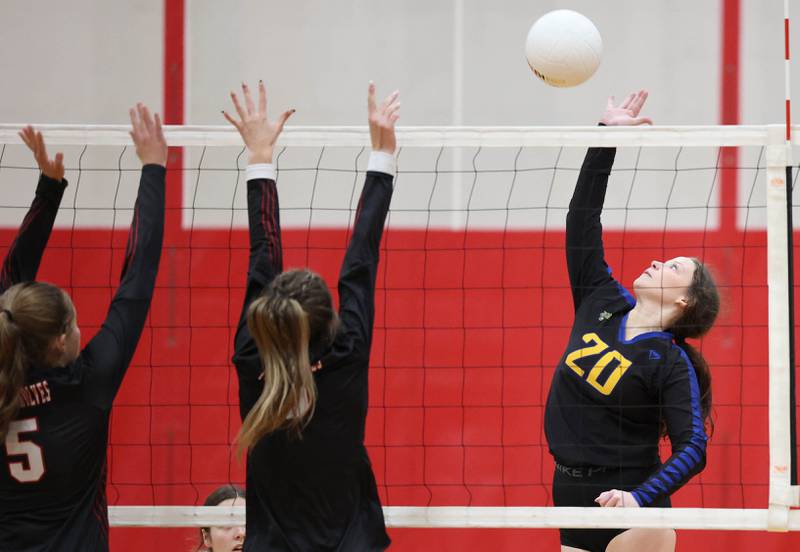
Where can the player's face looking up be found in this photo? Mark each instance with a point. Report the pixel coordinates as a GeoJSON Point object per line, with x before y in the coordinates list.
{"type": "Point", "coordinates": [667, 282]}
{"type": "Point", "coordinates": [225, 539]}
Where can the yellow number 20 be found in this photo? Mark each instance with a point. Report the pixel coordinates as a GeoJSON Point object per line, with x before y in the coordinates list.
{"type": "Point", "coordinates": [597, 347]}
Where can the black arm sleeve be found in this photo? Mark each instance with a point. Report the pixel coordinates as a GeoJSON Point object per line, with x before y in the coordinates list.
{"type": "Point", "coordinates": [680, 400]}
{"type": "Point", "coordinates": [585, 258]}
{"type": "Point", "coordinates": [266, 262]}
{"type": "Point", "coordinates": [360, 266]}
{"type": "Point", "coordinates": [25, 254]}
{"type": "Point", "coordinates": [109, 353]}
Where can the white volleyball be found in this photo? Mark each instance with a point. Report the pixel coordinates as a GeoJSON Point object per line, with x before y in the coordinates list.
{"type": "Point", "coordinates": [563, 48]}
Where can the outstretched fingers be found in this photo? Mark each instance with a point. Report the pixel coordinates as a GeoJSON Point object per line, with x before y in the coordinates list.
{"type": "Point", "coordinates": [638, 102]}
{"type": "Point", "coordinates": [283, 118]}
{"type": "Point", "coordinates": [371, 104]}
{"type": "Point", "coordinates": [28, 136]}
{"type": "Point", "coordinates": [626, 103]}
{"type": "Point", "coordinates": [389, 101]}
{"type": "Point", "coordinates": [262, 98]}
{"type": "Point", "coordinates": [248, 99]}
{"type": "Point", "coordinates": [237, 105]}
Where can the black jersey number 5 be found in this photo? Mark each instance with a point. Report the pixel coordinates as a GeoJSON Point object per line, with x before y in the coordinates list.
{"type": "Point", "coordinates": [31, 469]}
{"type": "Point", "coordinates": [598, 346]}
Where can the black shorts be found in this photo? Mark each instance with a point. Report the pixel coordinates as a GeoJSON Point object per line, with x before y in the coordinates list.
{"type": "Point", "coordinates": [580, 486]}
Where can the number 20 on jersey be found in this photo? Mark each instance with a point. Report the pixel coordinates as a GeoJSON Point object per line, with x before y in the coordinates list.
{"type": "Point", "coordinates": [596, 347]}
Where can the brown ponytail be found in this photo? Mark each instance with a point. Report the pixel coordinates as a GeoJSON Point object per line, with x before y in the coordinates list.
{"type": "Point", "coordinates": [697, 319]}
{"type": "Point", "coordinates": [32, 315]}
{"type": "Point", "coordinates": [294, 315]}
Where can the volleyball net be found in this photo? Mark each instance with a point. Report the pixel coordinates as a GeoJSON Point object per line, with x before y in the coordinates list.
{"type": "Point", "coordinates": [473, 307]}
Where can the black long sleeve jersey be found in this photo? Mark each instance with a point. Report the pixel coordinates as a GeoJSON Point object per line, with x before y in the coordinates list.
{"type": "Point", "coordinates": [317, 492]}
{"type": "Point", "coordinates": [53, 464]}
{"type": "Point", "coordinates": [609, 395]}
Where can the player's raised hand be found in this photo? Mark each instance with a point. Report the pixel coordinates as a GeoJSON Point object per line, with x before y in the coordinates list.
{"type": "Point", "coordinates": [148, 136]}
{"type": "Point", "coordinates": [257, 131]}
{"type": "Point", "coordinates": [382, 119]}
{"type": "Point", "coordinates": [51, 168]}
{"type": "Point", "coordinates": [626, 113]}
{"type": "Point", "coordinates": [616, 499]}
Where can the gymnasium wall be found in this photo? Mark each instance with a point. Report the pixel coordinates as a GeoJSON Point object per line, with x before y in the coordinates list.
{"type": "Point", "coordinates": [467, 429]}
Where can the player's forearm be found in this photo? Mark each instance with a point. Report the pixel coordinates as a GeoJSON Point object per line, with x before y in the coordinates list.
{"type": "Point", "coordinates": [266, 255]}
{"type": "Point", "coordinates": [373, 206]}
{"type": "Point", "coordinates": [687, 460]}
{"type": "Point", "coordinates": [146, 236]}
{"type": "Point", "coordinates": [590, 191]}
{"type": "Point", "coordinates": [25, 254]}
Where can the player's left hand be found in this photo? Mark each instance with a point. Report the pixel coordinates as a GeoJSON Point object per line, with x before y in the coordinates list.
{"type": "Point", "coordinates": [616, 499]}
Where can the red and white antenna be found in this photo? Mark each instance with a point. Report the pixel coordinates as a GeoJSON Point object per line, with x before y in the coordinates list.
{"type": "Point", "coordinates": [787, 71]}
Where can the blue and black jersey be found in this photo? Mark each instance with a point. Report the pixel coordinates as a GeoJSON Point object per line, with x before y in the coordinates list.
{"type": "Point", "coordinates": [316, 492]}
{"type": "Point", "coordinates": [610, 395]}
{"type": "Point", "coordinates": [53, 464]}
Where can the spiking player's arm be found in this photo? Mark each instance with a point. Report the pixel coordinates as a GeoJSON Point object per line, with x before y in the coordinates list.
{"type": "Point", "coordinates": [360, 265]}
{"type": "Point", "coordinates": [25, 254]}
{"type": "Point", "coordinates": [585, 256]}
{"type": "Point", "coordinates": [266, 254]}
{"type": "Point", "coordinates": [109, 353]}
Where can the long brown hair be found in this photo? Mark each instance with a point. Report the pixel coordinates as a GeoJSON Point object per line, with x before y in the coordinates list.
{"type": "Point", "coordinates": [293, 317]}
{"type": "Point", "coordinates": [697, 319]}
{"type": "Point", "coordinates": [32, 315]}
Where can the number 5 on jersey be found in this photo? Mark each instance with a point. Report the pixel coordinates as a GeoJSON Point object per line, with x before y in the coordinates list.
{"type": "Point", "coordinates": [597, 347]}
{"type": "Point", "coordinates": [31, 469]}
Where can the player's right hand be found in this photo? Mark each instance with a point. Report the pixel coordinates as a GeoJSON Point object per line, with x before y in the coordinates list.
{"type": "Point", "coordinates": [382, 119]}
{"type": "Point", "coordinates": [627, 113]}
{"type": "Point", "coordinates": [51, 168]}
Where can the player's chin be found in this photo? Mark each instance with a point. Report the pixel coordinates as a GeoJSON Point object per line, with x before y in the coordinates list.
{"type": "Point", "coordinates": [644, 282]}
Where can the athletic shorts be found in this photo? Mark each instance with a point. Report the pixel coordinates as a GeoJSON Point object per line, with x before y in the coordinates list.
{"type": "Point", "coordinates": [579, 486]}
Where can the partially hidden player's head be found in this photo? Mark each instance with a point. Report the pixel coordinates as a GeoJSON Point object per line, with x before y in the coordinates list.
{"type": "Point", "coordinates": [690, 305]}
{"type": "Point", "coordinates": [293, 324]}
{"type": "Point", "coordinates": [223, 539]}
{"type": "Point", "coordinates": [38, 328]}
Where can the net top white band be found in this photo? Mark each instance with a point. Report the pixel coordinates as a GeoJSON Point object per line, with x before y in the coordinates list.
{"type": "Point", "coordinates": [573, 136]}
{"type": "Point", "coordinates": [483, 517]}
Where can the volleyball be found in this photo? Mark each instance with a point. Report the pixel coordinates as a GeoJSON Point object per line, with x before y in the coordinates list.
{"type": "Point", "coordinates": [563, 48]}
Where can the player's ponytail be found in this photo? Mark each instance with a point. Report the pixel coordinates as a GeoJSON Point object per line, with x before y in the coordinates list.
{"type": "Point", "coordinates": [32, 315]}
{"type": "Point", "coordinates": [292, 321]}
{"type": "Point", "coordinates": [697, 319]}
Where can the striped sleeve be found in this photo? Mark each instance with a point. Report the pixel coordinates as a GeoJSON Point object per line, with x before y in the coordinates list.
{"type": "Point", "coordinates": [111, 350]}
{"type": "Point", "coordinates": [680, 404]}
{"type": "Point", "coordinates": [25, 254]}
{"type": "Point", "coordinates": [265, 262]}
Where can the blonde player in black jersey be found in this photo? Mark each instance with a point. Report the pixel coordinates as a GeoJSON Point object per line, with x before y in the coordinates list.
{"type": "Point", "coordinates": [628, 375]}
{"type": "Point", "coordinates": [303, 370]}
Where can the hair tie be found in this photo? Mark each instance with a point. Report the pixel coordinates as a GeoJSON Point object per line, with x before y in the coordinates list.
{"type": "Point", "coordinates": [8, 313]}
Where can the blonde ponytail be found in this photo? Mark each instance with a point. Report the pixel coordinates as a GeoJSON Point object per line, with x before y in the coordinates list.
{"type": "Point", "coordinates": [293, 317]}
